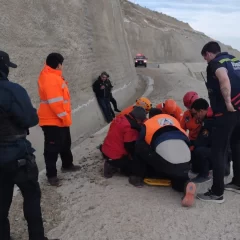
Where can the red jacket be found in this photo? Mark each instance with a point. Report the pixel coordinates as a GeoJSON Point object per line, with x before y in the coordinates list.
{"type": "Point", "coordinates": [120, 132]}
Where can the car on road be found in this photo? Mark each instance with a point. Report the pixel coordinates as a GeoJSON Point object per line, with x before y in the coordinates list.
{"type": "Point", "coordinates": [140, 60]}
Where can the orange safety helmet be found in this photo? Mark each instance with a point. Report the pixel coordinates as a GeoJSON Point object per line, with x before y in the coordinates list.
{"type": "Point", "coordinates": [189, 98]}
{"type": "Point", "coordinates": [170, 106]}
{"type": "Point", "coordinates": [145, 103]}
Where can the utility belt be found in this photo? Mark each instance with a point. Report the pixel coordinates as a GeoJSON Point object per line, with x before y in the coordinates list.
{"type": "Point", "coordinates": [5, 139]}
{"type": "Point", "coordinates": [25, 169]}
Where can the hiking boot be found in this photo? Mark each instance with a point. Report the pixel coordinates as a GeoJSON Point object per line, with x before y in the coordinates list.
{"type": "Point", "coordinates": [210, 197]}
{"type": "Point", "coordinates": [108, 170]}
{"type": "Point", "coordinates": [189, 194]}
{"type": "Point", "coordinates": [136, 181]}
{"type": "Point", "coordinates": [201, 179]}
{"type": "Point", "coordinates": [72, 168]}
{"type": "Point", "coordinates": [232, 187]}
{"type": "Point", "coordinates": [54, 181]}
{"type": "Point", "coordinates": [117, 110]}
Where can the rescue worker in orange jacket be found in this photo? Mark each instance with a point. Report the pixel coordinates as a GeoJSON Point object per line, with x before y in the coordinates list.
{"type": "Point", "coordinates": [142, 102]}
{"type": "Point", "coordinates": [188, 121]}
{"type": "Point", "coordinates": [163, 145]}
{"type": "Point", "coordinates": [170, 107]}
{"type": "Point", "coordinates": [55, 117]}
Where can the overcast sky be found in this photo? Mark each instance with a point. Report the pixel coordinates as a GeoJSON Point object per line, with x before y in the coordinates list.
{"type": "Point", "coordinates": [217, 19]}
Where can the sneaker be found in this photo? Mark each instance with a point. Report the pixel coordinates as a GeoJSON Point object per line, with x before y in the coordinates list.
{"type": "Point", "coordinates": [54, 181]}
{"type": "Point", "coordinates": [117, 110]}
{"type": "Point", "coordinates": [108, 170]}
{"type": "Point", "coordinates": [201, 179]}
{"type": "Point", "coordinates": [232, 187]}
{"type": "Point", "coordinates": [136, 181]}
{"type": "Point", "coordinates": [189, 195]}
{"type": "Point", "coordinates": [72, 168]}
{"type": "Point", "coordinates": [210, 197]}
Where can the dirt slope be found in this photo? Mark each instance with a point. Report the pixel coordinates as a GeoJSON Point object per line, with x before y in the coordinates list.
{"type": "Point", "coordinates": [162, 38]}
{"type": "Point", "coordinates": [90, 35]}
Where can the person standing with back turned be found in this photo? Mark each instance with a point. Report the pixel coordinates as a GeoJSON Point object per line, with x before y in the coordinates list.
{"type": "Point", "coordinates": [55, 117]}
{"type": "Point", "coordinates": [223, 84]}
{"type": "Point", "coordinates": [17, 161]}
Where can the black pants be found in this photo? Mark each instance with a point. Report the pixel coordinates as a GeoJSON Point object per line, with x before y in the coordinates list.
{"type": "Point", "coordinates": [225, 133]}
{"type": "Point", "coordinates": [114, 102]}
{"type": "Point", "coordinates": [26, 178]}
{"type": "Point", "coordinates": [105, 106]}
{"type": "Point", "coordinates": [57, 141]}
{"type": "Point", "coordinates": [124, 163]}
{"type": "Point", "coordinates": [201, 161]}
{"type": "Point", "coordinates": [145, 156]}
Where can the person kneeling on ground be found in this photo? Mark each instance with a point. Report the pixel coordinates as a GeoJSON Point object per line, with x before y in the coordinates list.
{"type": "Point", "coordinates": [201, 161]}
{"type": "Point", "coordinates": [118, 146]}
{"type": "Point", "coordinates": [163, 145]}
{"type": "Point", "coordinates": [188, 121]}
{"type": "Point", "coordinates": [170, 107]}
{"type": "Point", "coordinates": [141, 102]}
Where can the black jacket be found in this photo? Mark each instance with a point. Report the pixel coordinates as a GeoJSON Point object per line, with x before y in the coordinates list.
{"type": "Point", "coordinates": [17, 115]}
{"type": "Point", "coordinates": [102, 93]}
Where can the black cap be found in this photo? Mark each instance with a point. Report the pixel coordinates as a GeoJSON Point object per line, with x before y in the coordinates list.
{"type": "Point", "coordinates": [4, 57]}
{"type": "Point", "coordinates": [138, 113]}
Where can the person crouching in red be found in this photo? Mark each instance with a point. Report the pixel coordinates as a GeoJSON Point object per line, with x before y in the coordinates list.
{"type": "Point", "coordinates": [119, 144]}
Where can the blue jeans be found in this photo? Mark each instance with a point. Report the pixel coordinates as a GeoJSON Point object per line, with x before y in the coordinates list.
{"type": "Point", "coordinates": [105, 106]}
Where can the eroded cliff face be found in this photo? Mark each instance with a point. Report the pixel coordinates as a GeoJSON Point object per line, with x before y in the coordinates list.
{"type": "Point", "coordinates": [88, 33]}
{"type": "Point", "coordinates": [162, 38]}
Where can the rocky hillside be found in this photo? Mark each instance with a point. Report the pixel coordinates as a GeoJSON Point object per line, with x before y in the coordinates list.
{"type": "Point", "coordinates": [162, 38]}
{"type": "Point", "coordinates": [89, 34]}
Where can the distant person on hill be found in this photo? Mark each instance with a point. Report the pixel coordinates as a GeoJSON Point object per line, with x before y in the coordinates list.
{"type": "Point", "coordinates": [55, 117]}
{"type": "Point", "coordinates": [102, 89]}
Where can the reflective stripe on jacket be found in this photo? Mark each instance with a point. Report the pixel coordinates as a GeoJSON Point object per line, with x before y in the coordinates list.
{"type": "Point", "coordinates": [157, 122]}
{"type": "Point", "coordinates": [55, 104]}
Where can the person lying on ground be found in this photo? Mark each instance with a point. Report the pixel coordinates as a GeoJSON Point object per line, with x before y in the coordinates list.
{"type": "Point", "coordinates": [160, 143]}
{"type": "Point", "coordinates": [119, 144]}
{"type": "Point", "coordinates": [102, 90]}
{"type": "Point", "coordinates": [170, 107]}
{"type": "Point", "coordinates": [188, 122]}
{"type": "Point", "coordinates": [201, 157]}
{"type": "Point", "coordinates": [142, 102]}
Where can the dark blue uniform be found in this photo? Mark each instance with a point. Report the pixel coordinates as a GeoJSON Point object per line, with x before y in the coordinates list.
{"type": "Point", "coordinates": [227, 124]}
{"type": "Point", "coordinates": [201, 162]}
{"type": "Point", "coordinates": [17, 162]}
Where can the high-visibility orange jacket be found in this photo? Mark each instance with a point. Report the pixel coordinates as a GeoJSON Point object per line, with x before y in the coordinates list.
{"type": "Point", "coordinates": [125, 111]}
{"type": "Point", "coordinates": [55, 105]}
{"type": "Point", "coordinates": [178, 114]}
{"type": "Point", "coordinates": [159, 121]}
{"type": "Point", "coordinates": [191, 124]}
